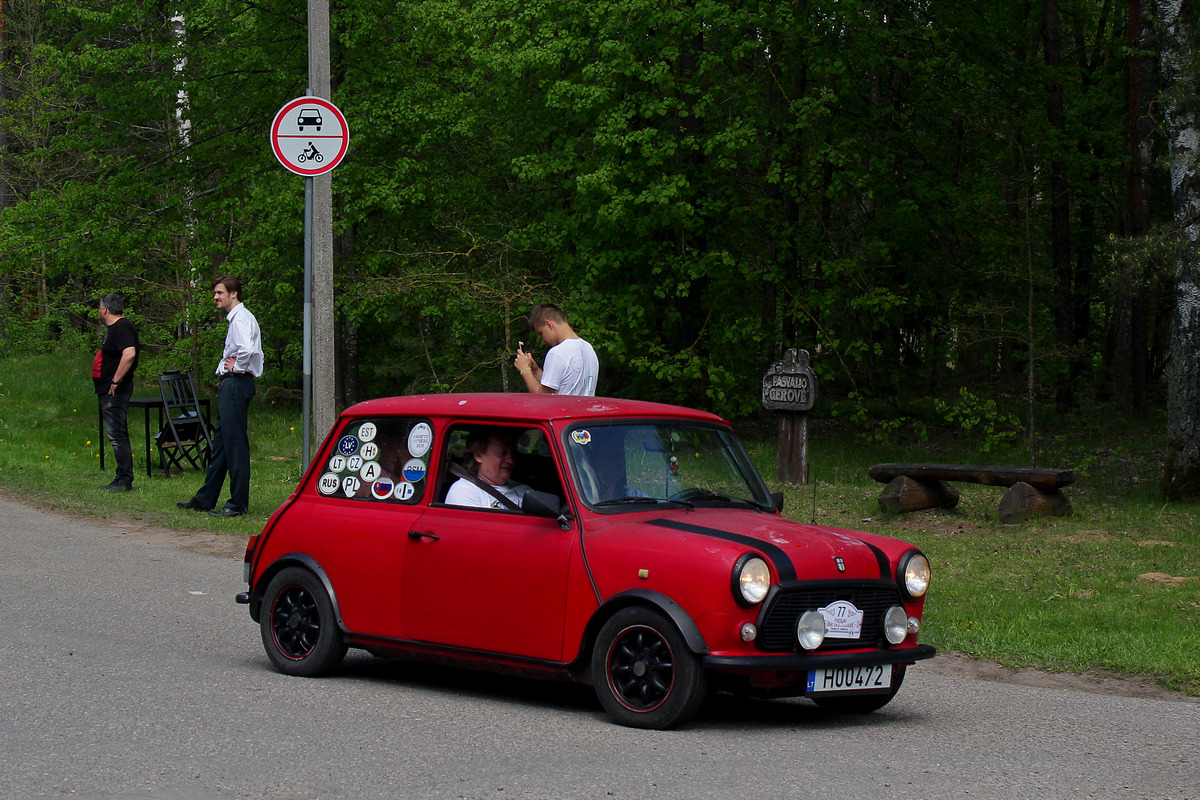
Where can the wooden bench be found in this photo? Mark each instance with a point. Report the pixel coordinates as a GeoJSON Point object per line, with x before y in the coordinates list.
{"type": "Point", "coordinates": [1032, 492]}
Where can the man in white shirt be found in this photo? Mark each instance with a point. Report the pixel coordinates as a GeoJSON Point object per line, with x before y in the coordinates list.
{"type": "Point", "coordinates": [571, 364]}
{"type": "Point", "coordinates": [241, 362]}
{"type": "Point", "coordinates": [492, 452]}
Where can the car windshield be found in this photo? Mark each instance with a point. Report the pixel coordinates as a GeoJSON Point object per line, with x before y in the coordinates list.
{"type": "Point", "coordinates": [627, 466]}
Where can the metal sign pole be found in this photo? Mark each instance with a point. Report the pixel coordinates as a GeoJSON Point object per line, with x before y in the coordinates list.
{"type": "Point", "coordinates": [306, 411]}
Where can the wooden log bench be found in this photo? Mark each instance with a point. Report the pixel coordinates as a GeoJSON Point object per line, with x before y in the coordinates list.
{"type": "Point", "coordinates": [1032, 492]}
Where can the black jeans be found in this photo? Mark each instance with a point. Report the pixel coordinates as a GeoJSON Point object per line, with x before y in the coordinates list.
{"type": "Point", "coordinates": [114, 410]}
{"type": "Point", "coordinates": [230, 446]}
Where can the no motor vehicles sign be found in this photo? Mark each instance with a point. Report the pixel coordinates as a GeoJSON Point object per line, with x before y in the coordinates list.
{"type": "Point", "coordinates": [310, 136]}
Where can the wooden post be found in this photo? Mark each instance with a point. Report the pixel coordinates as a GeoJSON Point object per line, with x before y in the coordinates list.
{"type": "Point", "coordinates": [790, 388]}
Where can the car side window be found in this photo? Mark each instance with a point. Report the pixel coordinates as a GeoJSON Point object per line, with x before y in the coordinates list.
{"type": "Point", "coordinates": [382, 460]}
{"type": "Point", "coordinates": [532, 459]}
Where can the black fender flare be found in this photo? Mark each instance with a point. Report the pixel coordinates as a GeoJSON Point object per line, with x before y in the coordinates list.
{"type": "Point", "coordinates": [294, 560]}
{"type": "Point", "coordinates": [581, 666]}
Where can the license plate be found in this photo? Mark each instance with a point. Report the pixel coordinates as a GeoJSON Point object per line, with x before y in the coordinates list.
{"type": "Point", "coordinates": [850, 679]}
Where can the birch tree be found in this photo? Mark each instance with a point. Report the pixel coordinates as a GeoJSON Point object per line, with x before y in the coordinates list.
{"type": "Point", "coordinates": [1181, 474]}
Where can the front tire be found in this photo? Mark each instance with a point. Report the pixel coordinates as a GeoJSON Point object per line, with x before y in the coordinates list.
{"type": "Point", "coordinates": [299, 630]}
{"type": "Point", "coordinates": [644, 674]}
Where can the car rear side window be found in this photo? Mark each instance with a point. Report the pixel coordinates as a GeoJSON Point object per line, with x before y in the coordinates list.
{"type": "Point", "coordinates": [382, 460]}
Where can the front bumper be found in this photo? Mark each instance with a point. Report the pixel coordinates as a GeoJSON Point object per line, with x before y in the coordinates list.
{"type": "Point", "coordinates": [803, 663]}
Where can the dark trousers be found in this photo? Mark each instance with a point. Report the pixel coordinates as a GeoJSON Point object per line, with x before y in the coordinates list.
{"type": "Point", "coordinates": [230, 446]}
{"type": "Point", "coordinates": [114, 410]}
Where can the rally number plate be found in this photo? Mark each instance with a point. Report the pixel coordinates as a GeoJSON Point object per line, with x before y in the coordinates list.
{"type": "Point", "coordinates": [850, 679]}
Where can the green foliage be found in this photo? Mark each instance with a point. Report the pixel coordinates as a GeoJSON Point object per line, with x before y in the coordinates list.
{"type": "Point", "coordinates": [981, 418]}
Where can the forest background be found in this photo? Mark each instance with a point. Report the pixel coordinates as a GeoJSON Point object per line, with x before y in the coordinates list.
{"type": "Point", "coordinates": [975, 211]}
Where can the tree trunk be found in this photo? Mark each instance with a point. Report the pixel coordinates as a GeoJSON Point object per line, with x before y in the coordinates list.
{"type": "Point", "coordinates": [1060, 208]}
{"type": "Point", "coordinates": [1181, 473]}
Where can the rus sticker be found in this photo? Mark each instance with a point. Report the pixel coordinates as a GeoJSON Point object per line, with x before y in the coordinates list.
{"type": "Point", "coordinates": [329, 483]}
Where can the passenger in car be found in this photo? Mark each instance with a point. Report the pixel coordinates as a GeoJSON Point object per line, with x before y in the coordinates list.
{"type": "Point", "coordinates": [492, 459]}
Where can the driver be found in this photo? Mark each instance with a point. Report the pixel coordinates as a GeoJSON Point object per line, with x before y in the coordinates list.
{"type": "Point", "coordinates": [491, 462]}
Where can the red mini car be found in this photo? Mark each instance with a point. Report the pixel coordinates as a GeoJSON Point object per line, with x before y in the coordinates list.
{"type": "Point", "coordinates": [632, 547]}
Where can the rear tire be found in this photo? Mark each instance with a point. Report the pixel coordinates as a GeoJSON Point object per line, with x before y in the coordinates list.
{"type": "Point", "coordinates": [299, 629]}
{"type": "Point", "coordinates": [644, 674]}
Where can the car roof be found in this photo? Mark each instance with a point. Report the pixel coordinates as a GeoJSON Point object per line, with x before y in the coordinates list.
{"type": "Point", "coordinates": [520, 407]}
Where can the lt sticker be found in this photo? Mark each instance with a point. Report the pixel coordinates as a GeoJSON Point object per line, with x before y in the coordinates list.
{"type": "Point", "coordinates": [842, 620]}
{"type": "Point", "coordinates": [419, 439]}
{"type": "Point", "coordinates": [337, 463]}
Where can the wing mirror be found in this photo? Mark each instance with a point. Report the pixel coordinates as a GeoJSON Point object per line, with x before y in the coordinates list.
{"type": "Point", "coordinates": [544, 504]}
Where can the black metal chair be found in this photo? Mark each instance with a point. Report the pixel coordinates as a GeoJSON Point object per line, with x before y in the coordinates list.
{"type": "Point", "coordinates": [184, 438]}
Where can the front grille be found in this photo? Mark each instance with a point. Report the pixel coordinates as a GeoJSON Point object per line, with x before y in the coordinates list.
{"type": "Point", "coordinates": [780, 613]}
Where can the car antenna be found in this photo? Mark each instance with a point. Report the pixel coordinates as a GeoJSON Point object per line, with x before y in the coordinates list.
{"type": "Point", "coordinates": [814, 483]}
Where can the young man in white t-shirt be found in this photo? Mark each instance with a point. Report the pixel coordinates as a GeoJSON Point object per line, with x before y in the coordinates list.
{"type": "Point", "coordinates": [571, 365]}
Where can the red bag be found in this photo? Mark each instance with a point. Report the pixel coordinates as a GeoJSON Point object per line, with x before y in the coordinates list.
{"type": "Point", "coordinates": [96, 363]}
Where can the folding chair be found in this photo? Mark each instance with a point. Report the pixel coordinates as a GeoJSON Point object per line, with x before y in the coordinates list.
{"type": "Point", "coordinates": [185, 433]}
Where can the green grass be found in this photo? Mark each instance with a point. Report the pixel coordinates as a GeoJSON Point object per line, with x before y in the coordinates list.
{"type": "Point", "coordinates": [1067, 593]}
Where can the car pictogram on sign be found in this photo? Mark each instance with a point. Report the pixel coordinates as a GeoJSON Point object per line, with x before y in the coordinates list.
{"type": "Point", "coordinates": [309, 116]}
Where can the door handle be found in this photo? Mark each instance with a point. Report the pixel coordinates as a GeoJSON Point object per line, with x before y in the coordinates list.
{"type": "Point", "coordinates": [415, 535]}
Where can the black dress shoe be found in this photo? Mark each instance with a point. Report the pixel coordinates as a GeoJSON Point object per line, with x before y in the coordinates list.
{"type": "Point", "coordinates": [118, 486]}
{"type": "Point", "coordinates": [226, 511]}
{"type": "Point", "coordinates": [193, 505]}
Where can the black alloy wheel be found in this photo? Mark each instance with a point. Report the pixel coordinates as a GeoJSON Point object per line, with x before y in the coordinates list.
{"type": "Point", "coordinates": [299, 630]}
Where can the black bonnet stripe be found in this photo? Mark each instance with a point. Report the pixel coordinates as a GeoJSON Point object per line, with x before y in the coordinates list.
{"type": "Point", "coordinates": [783, 564]}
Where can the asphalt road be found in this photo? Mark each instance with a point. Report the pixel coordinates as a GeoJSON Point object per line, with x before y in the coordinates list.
{"type": "Point", "coordinates": [127, 671]}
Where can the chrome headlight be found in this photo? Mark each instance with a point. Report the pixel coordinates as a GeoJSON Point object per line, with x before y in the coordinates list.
{"type": "Point", "coordinates": [914, 574]}
{"type": "Point", "coordinates": [751, 579]}
{"type": "Point", "coordinates": [895, 624]}
{"type": "Point", "coordinates": [810, 630]}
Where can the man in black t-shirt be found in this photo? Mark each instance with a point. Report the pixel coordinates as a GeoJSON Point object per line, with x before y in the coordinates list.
{"type": "Point", "coordinates": [112, 372]}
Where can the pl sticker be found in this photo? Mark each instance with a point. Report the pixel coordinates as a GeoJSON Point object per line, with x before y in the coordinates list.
{"type": "Point", "coordinates": [370, 471]}
{"type": "Point", "coordinates": [329, 483]}
{"type": "Point", "coordinates": [337, 463]}
{"type": "Point", "coordinates": [414, 470]}
{"type": "Point", "coordinates": [350, 485]}
{"type": "Point", "coordinates": [367, 431]}
{"type": "Point", "coordinates": [348, 445]}
{"type": "Point", "coordinates": [382, 489]}
{"type": "Point", "coordinates": [419, 439]}
{"type": "Point", "coordinates": [581, 437]}
{"type": "Point", "coordinates": [370, 451]}
{"type": "Point", "coordinates": [354, 463]}
{"type": "Point", "coordinates": [405, 490]}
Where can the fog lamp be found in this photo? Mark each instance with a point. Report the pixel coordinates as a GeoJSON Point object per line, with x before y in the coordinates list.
{"type": "Point", "coordinates": [810, 630]}
{"type": "Point", "coordinates": [895, 624]}
{"type": "Point", "coordinates": [749, 633]}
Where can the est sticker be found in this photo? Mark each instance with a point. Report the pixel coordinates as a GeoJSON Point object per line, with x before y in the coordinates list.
{"type": "Point", "coordinates": [367, 431]}
{"type": "Point", "coordinates": [329, 483]}
{"type": "Point", "coordinates": [420, 438]}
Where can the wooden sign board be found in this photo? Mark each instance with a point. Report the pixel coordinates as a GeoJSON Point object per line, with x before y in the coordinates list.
{"type": "Point", "coordinates": [790, 385]}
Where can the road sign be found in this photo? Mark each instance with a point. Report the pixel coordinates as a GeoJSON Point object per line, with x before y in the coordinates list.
{"type": "Point", "coordinates": [310, 136]}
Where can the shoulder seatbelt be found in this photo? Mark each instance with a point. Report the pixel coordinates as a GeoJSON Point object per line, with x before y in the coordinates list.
{"type": "Point", "coordinates": [457, 469]}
